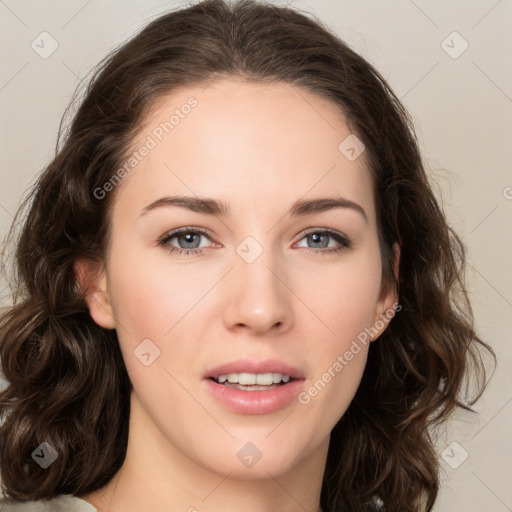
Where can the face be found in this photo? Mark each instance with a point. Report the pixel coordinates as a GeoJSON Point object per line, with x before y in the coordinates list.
{"type": "Point", "coordinates": [257, 280]}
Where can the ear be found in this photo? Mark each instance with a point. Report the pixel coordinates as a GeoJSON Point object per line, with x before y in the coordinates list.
{"type": "Point", "coordinates": [387, 304]}
{"type": "Point", "coordinates": [93, 281]}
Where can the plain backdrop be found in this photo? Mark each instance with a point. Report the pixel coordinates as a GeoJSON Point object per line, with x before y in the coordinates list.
{"type": "Point", "coordinates": [449, 61]}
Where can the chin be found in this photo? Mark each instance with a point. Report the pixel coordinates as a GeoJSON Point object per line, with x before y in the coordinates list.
{"type": "Point", "coordinates": [253, 461]}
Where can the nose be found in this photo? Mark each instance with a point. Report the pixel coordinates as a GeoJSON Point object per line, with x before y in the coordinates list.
{"type": "Point", "coordinates": [258, 300]}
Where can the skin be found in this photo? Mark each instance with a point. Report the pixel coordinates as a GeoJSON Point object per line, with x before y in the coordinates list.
{"type": "Point", "coordinates": [259, 148]}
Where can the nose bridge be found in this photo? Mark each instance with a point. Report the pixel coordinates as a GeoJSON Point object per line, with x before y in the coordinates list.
{"type": "Point", "coordinates": [258, 298]}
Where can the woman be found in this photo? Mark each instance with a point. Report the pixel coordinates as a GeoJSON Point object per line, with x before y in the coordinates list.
{"type": "Point", "coordinates": [239, 290]}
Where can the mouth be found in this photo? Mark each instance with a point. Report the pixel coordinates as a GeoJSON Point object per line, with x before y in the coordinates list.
{"type": "Point", "coordinates": [254, 387]}
{"type": "Point", "coordinates": [253, 381]}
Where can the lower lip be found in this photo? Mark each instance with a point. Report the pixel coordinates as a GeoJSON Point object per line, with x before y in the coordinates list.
{"type": "Point", "coordinates": [255, 402]}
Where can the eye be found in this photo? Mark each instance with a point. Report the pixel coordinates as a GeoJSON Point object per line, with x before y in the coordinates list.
{"type": "Point", "coordinates": [188, 238]}
{"type": "Point", "coordinates": [321, 243]}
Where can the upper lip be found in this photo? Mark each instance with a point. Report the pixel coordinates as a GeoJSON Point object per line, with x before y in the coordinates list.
{"type": "Point", "coordinates": [251, 366]}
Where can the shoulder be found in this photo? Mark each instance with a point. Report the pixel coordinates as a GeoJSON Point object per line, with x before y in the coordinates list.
{"type": "Point", "coordinates": [63, 503]}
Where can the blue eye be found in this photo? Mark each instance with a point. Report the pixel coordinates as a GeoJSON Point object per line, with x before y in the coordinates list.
{"type": "Point", "coordinates": [321, 238]}
{"type": "Point", "coordinates": [190, 239]}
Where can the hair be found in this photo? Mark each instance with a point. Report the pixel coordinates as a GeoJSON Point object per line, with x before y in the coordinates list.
{"type": "Point", "coordinates": [66, 383]}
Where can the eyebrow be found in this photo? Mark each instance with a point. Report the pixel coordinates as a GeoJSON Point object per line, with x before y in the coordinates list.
{"type": "Point", "coordinates": [215, 207]}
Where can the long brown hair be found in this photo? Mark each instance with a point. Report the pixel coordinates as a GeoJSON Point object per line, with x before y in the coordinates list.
{"type": "Point", "coordinates": [67, 383]}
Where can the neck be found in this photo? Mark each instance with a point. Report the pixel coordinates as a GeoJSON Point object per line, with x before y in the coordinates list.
{"type": "Point", "coordinates": [156, 476]}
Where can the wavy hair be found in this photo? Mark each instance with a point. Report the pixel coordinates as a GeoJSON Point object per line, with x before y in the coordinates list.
{"type": "Point", "coordinates": [66, 380]}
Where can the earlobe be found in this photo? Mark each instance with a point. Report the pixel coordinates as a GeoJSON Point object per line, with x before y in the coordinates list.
{"type": "Point", "coordinates": [93, 281]}
{"type": "Point", "coordinates": [388, 303]}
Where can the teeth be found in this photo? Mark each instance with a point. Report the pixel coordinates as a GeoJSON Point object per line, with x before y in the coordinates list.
{"type": "Point", "coordinates": [248, 379]}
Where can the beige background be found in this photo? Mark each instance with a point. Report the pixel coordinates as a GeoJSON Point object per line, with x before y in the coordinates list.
{"type": "Point", "coordinates": [463, 112]}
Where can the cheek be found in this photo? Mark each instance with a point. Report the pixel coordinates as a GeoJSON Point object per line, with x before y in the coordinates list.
{"type": "Point", "coordinates": [157, 301]}
{"type": "Point", "coordinates": [344, 303]}
{"type": "Point", "coordinates": [150, 296]}
{"type": "Point", "coordinates": [343, 297]}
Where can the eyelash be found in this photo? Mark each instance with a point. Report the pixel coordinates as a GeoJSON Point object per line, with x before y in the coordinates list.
{"type": "Point", "coordinates": [344, 241]}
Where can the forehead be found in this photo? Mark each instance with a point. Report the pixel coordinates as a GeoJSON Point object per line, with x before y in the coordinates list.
{"type": "Point", "coordinates": [246, 143]}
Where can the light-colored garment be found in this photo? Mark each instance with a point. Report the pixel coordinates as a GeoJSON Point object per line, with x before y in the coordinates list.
{"type": "Point", "coordinates": [63, 503]}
